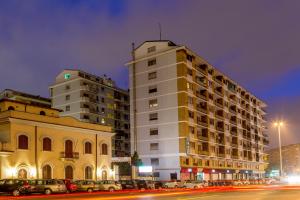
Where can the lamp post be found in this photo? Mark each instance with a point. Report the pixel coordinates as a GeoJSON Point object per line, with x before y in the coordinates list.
{"type": "Point", "coordinates": [278, 125]}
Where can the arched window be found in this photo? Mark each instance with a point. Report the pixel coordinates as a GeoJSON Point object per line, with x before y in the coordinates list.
{"type": "Point", "coordinates": [104, 149]}
{"type": "Point", "coordinates": [88, 173]}
{"type": "Point", "coordinates": [69, 149]}
{"type": "Point", "coordinates": [42, 113]}
{"type": "Point", "coordinates": [69, 172]}
{"type": "Point", "coordinates": [46, 144]}
{"type": "Point", "coordinates": [88, 148]}
{"type": "Point", "coordinates": [22, 174]}
{"type": "Point", "coordinates": [47, 172]}
{"type": "Point", "coordinates": [23, 142]}
{"type": "Point", "coordinates": [11, 108]}
{"type": "Point", "coordinates": [104, 175]}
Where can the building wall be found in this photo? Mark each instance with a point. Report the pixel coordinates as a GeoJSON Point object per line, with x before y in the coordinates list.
{"type": "Point", "coordinates": [91, 99]}
{"type": "Point", "coordinates": [36, 127]}
{"type": "Point", "coordinates": [180, 80]}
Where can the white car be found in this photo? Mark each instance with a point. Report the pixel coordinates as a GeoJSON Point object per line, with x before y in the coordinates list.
{"type": "Point", "coordinates": [172, 184]}
{"type": "Point", "coordinates": [193, 184]}
{"type": "Point", "coordinates": [270, 181]}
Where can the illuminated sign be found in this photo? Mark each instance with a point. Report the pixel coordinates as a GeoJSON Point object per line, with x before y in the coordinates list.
{"type": "Point", "coordinates": [145, 169]}
{"type": "Point", "coordinates": [67, 76]}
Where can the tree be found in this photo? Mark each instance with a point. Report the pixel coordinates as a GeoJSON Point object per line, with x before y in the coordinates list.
{"type": "Point", "coordinates": [135, 161]}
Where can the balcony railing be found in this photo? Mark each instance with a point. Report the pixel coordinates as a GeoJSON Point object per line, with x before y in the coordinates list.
{"type": "Point", "coordinates": [69, 155]}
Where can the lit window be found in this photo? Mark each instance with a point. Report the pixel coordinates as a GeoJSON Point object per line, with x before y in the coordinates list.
{"type": "Point", "coordinates": [103, 121]}
{"type": "Point", "coordinates": [153, 103]}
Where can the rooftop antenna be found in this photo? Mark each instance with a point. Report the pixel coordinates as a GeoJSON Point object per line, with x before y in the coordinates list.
{"type": "Point", "coordinates": [159, 26]}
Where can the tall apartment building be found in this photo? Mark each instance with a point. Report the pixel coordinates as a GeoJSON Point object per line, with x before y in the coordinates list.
{"type": "Point", "coordinates": [94, 99]}
{"type": "Point", "coordinates": [189, 120]}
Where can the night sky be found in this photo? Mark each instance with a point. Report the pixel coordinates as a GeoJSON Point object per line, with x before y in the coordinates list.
{"type": "Point", "coordinates": [254, 42]}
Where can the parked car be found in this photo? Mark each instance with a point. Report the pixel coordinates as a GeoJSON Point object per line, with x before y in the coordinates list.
{"type": "Point", "coordinates": [47, 186]}
{"type": "Point", "coordinates": [86, 185]}
{"type": "Point", "coordinates": [193, 184]}
{"type": "Point", "coordinates": [237, 182]}
{"type": "Point", "coordinates": [128, 184]}
{"type": "Point", "coordinates": [70, 185]}
{"type": "Point", "coordinates": [14, 186]}
{"type": "Point", "coordinates": [173, 184]}
{"type": "Point", "coordinates": [158, 184]}
{"type": "Point", "coordinates": [270, 181]}
{"type": "Point", "coordinates": [108, 185]}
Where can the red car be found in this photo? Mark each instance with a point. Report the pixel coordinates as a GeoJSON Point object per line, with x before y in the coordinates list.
{"type": "Point", "coordinates": [71, 186]}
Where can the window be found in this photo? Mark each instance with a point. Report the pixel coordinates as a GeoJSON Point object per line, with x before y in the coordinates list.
{"type": "Point", "coordinates": [23, 142]}
{"type": "Point", "coordinates": [153, 103]}
{"type": "Point", "coordinates": [11, 108]}
{"type": "Point", "coordinates": [47, 172]}
{"type": "Point", "coordinates": [88, 173]}
{"type": "Point", "coordinates": [151, 49]}
{"type": "Point", "coordinates": [190, 100]}
{"type": "Point", "coordinates": [152, 62]}
{"type": "Point", "coordinates": [88, 148]}
{"type": "Point", "coordinates": [67, 87]}
{"type": "Point", "coordinates": [102, 100]}
{"type": "Point", "coordinates": [104, 175]}
{"type": "Point", "coordinates": [151, 75]}
{"type": "Point", "coordinates": [189, 57]}
{"type": "Point", "coordinates": [103, 121]}
{"type": "Point", "coordinates": [104, 149]}
{"type": "Point", "coordinates": [189, 71]}
{"type": "Point", "coordinates": [152, 89]}
{"type": "Point", "coordinates": [189, 85]}
{"type": "Point", "coordinates": [67, 97]}
{"type": "Point", "coordinates": [153, 116]}
{"type": "Point", "coordinates": [46, 144]}
{"type": "Point", "coordinates": [191, 114]}
{"type": "Point", "coordinates": [68, 108]}
{"type": "Point", "coordinates": [68, 172]}
{"type": "Point", "coordinates": [153, 146]}
{"type": "Point", "coordinates": [154, 161]}
{"type": "Point", "coordinates": [153, 131]}
{"type": "Point", "coordinates": [22, 174]}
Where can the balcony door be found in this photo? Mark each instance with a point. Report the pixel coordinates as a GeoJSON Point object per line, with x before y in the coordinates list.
{"type": "Point", "coordinates": [69, 149]}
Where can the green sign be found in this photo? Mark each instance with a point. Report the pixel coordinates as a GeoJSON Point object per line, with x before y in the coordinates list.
{"type": "Point", "coordinates": [67, 76]}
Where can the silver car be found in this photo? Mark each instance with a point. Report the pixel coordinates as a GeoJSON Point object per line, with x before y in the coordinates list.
{"type": "Point", "coordinates": [47, 186]}
{"type": "Point", "coordinates": [108, 185]}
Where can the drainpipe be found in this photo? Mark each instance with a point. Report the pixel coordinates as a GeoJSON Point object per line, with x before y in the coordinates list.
{"type": "Point", "coordinates": [96, 166]}
{"type": "Point", "coordinates": [134, 99]}
{"type": "Point", "coordinates": [36, 156]}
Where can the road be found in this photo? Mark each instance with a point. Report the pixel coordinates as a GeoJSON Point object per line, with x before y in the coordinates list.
{"type": "Point", "coordinates": [222, 193]}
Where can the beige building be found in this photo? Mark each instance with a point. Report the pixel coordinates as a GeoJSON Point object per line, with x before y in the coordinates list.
{"type": "Point", "coordinates": [290, 159]}
{"type": "Point", "coordinates": [37, 143]}
{"type": "Point", "coordinates": [191, 121]}
{"type": "Point", "coordinates": [96, 100]}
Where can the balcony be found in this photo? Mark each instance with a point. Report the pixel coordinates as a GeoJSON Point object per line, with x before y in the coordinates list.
{"type": "Point", "coordinates": [202, 107]}
{"type": "Point", "coordinates": [219, 79]}
{"type": "Point", "coordinates": [219, 103]}
{"type": "Point", "coordinates": [205, 153]}
{"type": "Point", "coordinates": [201, 81]}
{"type": "Point", "coordinates": [89, 88]}
{"type": "Point", "coordinates": [202, 94]}
{"type": "Point", "coordinates": [235, 156]}
{"type": "Point", "coordinates": [69, 155]}
{"type": "Point", "coordinates": [222, 155]}
{"type": "Point", "coordinates": [202, 68]}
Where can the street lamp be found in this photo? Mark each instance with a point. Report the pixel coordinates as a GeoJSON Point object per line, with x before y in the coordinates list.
{"type": "Point", "coordinates": [278, 125]}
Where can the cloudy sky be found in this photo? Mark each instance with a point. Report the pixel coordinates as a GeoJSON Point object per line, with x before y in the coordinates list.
{"type": "Point", "coordinates": [255, 42]}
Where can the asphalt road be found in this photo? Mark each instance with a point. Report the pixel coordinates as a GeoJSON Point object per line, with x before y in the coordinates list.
{"type": "Point", "coordinates": [250, 193]}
